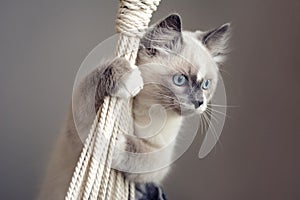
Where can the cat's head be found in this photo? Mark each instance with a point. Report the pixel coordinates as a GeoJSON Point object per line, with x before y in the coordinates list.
{"type": "Point", "coordinates": [180, 68]}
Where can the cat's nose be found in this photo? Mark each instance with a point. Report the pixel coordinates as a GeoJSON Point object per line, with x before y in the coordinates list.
{"type": "Point", "coordinates": [197, 104]}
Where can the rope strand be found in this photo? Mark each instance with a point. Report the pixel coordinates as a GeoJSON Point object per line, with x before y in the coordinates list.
{"type": "Point", "coordinates": [93, 177]}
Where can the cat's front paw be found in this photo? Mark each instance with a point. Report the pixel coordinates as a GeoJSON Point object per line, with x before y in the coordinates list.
{"type": "Point", "coordinates": [130, 84]}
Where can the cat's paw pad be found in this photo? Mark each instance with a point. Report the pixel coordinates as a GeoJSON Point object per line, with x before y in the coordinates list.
{"type": "Point", "coordinates": [130, 84]}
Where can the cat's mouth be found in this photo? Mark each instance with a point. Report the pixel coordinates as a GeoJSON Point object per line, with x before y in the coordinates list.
{"type": "Point", "coordinates": [202, 108]}
{"type": "Point", "coordinates": [188, 109]}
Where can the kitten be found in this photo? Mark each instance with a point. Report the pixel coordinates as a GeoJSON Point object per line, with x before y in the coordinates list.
{"type": "Point", "coordinates": [180, 72]}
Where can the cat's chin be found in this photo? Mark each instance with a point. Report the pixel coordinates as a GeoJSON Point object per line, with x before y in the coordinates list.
{"type": "Point", "coordinates": [200, 110]}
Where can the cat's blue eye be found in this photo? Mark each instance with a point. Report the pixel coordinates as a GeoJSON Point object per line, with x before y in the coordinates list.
{"type": "Point", "coordinates": [179, 79]}
{"type": "Point", "coordinates": [205, 84]}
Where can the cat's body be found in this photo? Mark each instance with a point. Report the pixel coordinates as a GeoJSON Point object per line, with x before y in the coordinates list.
{"type": "Point", "coordinates": [178, 80]}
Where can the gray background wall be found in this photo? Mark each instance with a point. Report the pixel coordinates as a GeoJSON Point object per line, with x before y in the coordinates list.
{"type": "Point", "coordinates": [42, 44]}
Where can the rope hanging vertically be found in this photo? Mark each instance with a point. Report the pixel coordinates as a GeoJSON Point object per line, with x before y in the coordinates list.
{"type": "Point", "coordinates": [93, 177]}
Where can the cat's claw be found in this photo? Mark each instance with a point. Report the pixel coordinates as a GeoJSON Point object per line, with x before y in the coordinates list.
{"type": "Point", "coordinates": [130, 84]}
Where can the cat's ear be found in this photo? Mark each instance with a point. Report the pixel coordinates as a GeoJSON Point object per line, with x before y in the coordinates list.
{"type": "Point", "coordinates": [171, 23]}
{"type": "Point", "coordinates": [216, 41]}
{"type": "Point", "coordinates": [164, 36]}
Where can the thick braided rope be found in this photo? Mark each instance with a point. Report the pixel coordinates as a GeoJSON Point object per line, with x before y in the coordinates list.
{"type": "Point", "coordinates": [93, 177]}
{"type": "Point", "coordinates": [100, 151]}
{"type": "Point", "coordinates": [82, 165]}
{"type": "Point", "coordinates": [134, 16]}
{"type": "Point", "coordinates": [107, 170]}
{"type": "Point", "coordinates": [130, 22]}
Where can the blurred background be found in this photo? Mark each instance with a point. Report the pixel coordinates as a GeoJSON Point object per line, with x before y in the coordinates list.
{"type": "Point", "coordinates": [42, 44]}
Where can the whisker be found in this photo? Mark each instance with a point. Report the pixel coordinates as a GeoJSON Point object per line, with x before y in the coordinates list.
{"type": "Point", "coordinates": [223, 106]}
{"type": "Point", "coordinates": [219, 112]}
{"type": "Point", "coordinates": [214, 131]}
{"type": "Point", "coordinates": [213, 117]}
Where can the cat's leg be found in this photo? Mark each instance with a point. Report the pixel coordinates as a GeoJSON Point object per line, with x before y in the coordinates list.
{"type": "Point", "coordinates": [110, 78]}
{"type": "Point", "coordinates": [118, 79]}
{"type": "Point", "coordinates": [133, 155]}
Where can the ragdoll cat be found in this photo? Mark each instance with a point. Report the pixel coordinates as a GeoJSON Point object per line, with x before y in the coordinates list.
{"type": "Point", "coordinates": [183, 83]}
